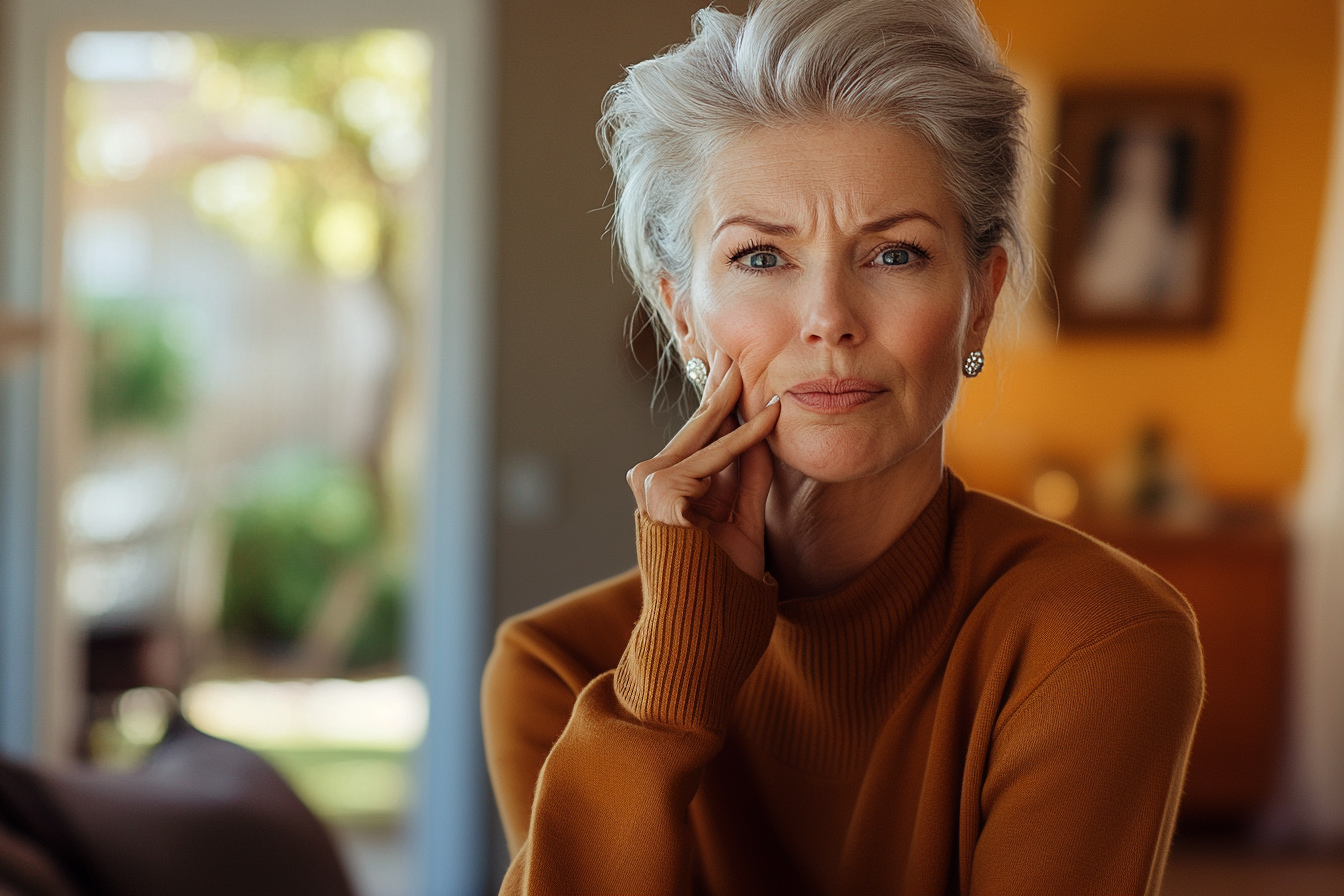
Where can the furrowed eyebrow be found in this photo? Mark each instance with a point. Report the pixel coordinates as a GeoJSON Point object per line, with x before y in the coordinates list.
{"type": "Point", "coordinates": [776, 229]}
{"type": "Point", "coordinates": [891, 221]}
{"type": "Point", "coordinates": [770, 227]}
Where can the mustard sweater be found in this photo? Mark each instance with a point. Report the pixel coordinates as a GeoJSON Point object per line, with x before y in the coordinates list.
{"type": "Point", "coordinates": [999, 705]}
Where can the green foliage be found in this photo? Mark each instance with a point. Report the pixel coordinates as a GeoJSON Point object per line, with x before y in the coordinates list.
{"type": "Point", "coordinates": [346, 127]}
{"type": "Point", "coordinates": [136, 376]}
{"type": "Point", "coordinates": [300, 519]}
{"type": "Point", "coordinates": [378, 639]}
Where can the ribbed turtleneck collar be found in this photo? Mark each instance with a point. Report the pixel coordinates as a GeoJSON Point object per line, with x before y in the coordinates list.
{"type": "Point", "coordinates": [839, 661]}
{"type": "Point", "coordinates": [906, 570]}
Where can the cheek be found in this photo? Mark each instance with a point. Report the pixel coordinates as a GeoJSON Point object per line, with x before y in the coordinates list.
{"type": "Point", "coordinates": [923, 345]}
{"type": "Point", "coordinates": [935, 392]}
{"type": "Point", "coordinates": [928, 338]}
{"type": "Point", "coordinates": [752, 331]}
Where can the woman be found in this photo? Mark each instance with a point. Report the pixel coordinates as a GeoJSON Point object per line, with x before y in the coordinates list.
{"type": "Point", "coordinates": [835, 669]}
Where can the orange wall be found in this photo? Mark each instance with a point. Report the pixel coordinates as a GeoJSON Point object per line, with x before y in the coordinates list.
{"type": "Point", "coordinates": [1225, 397]}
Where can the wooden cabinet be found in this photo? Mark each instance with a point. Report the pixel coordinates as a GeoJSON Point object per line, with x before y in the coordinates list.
{"type": "Point", "coordinates": [1236, 576]}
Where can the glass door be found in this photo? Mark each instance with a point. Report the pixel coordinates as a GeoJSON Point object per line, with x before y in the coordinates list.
{"type": "Point", "coordinates": [245, 245]}
{"type": "Point", "coordinates": [243, 255]}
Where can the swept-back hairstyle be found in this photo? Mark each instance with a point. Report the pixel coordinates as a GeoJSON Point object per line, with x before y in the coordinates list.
{"type": "Point", "coordinates": [928, 67]}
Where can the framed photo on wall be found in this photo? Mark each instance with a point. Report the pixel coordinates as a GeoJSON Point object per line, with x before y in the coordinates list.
{"type": "Point", "coordinates": [1139, 209]}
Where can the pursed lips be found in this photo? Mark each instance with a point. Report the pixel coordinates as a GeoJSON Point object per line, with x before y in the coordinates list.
{"type": "Point", "coordinates": [834, 395]}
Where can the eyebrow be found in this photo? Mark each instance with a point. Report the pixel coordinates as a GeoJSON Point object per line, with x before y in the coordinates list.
{"type": "Point", "coordinates": [898, 218]}
{"type": "Point", "coordinates": [776, 229]}
{"type": "Point", "coordinates": [760, 224]}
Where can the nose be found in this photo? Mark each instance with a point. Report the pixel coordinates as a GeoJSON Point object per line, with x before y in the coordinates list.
{"type": "Point", "coordinates": [831, 315]}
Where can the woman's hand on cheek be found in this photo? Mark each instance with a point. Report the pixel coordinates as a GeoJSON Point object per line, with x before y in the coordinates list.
{"type": "Point", "coordinates": [715, 474]}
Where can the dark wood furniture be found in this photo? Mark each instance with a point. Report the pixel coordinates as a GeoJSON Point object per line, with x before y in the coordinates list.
{"type": "Point", "coordinates": [1235, 572]}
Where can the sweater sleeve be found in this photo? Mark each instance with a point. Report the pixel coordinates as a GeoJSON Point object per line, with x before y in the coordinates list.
{"type": "Point", "coordinates": [1085, 775]}
{"type": "Point", "coordinates": [609, 810]}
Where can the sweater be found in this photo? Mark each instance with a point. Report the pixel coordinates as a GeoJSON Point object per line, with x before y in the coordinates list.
{"type": "Point", "coordinates": [998, 705]}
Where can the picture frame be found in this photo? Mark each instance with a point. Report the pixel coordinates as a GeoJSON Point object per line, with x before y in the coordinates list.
{"type": "Point", "coordinates": [1139, 209]}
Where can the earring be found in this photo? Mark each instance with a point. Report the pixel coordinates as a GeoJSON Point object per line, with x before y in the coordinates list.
{"type": "Point", "coordinates": [975, 362]}
{"type": "Point", "coordinates": [697, 371]}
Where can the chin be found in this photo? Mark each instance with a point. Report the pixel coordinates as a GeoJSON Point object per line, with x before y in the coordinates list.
{"type": "Point", "coordinates": [834, 454]}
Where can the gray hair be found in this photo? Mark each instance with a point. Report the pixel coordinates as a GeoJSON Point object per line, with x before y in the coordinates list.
{"type": "Point", "coordinates": [928, 67]}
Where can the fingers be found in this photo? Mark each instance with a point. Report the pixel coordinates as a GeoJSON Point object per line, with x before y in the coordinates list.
{"type": "Point", "coordinates": [669, 495]}
{"type": "Point", "coordinates": [670, 492]}
{"type": "Point", "coordinates": [717, 455]}
{"type": "Point", "coordinates": [756, 470]}
{"type": "Point", "coordinates": [742, 534]}
{"type": "Point", "coordinates": [639, 474]}
{"type": "Point", "coordinates": [712, 419]}
{"type": "Point", "coordinates": [718, 367]}
{"type": "Point", "coordinates": [721, 395]}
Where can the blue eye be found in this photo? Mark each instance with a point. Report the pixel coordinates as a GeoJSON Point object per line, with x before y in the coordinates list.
{"type": "Point", "coordinates": [894, 257]}
{"type": "Point", "coordinates": [762, 260]}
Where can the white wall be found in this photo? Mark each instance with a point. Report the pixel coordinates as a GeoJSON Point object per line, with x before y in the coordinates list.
{"type": "Point", "coordinates": [1317, 729]}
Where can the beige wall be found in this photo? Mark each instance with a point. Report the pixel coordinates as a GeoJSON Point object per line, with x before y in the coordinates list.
{"type": "Point", "coordinates": [564, 393]}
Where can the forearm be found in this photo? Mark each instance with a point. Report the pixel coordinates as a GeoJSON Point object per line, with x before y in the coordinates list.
{"type": "Point", "coordinates": [609, 812]}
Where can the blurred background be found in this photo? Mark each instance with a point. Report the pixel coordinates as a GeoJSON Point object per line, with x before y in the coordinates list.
{"type": "Point", "coordinates": [317, 365]}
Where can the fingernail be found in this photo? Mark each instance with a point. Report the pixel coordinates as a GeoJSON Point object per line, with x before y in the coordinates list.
{"type": "Point", "coordinates": [774, 400]}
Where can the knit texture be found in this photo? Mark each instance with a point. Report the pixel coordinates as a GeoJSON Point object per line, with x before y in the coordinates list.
{"type": "Point", "coordinates": [704, 625]}
{"type": "Point", "coordinates": [998, 705]}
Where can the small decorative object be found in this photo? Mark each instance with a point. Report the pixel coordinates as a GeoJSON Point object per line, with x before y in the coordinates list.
{"type": "Point", "coordinates": [1138, 209]}
{"type": "Point", "coordinates": [697, 371]}
{"type": "Point", "coordinates": [974, 363]}
{"type": "Point", "coordinates": [1150, 480]}
{"type": "Point", "coordinates": [1156, 479]}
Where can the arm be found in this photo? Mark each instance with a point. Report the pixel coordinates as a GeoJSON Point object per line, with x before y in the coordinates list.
{"type": "Point", "coordinates": [1084, 776]}
{"type": "Point", "coordinates": [605, 809]}
{"type": "Point", "coordinates": [607, 812]}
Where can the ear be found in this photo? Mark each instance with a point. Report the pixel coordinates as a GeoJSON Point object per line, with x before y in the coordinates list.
{"type": "Point", "coordinates": [989, 282]}
{"type": "Point", "coordinates": [678, 308]}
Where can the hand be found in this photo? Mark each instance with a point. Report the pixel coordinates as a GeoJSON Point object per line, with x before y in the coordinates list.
{"type": "Point", "coordinates": [714, 474]}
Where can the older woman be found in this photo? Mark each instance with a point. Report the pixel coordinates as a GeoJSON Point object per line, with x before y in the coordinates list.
{"type": "Point", "coordinates": [835, 669]}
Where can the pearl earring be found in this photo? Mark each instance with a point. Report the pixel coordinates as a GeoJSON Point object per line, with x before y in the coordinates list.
{"type": "Point", "coordinates": [975, 362]}
{"type": "Point", "coordinates": [697, 371]}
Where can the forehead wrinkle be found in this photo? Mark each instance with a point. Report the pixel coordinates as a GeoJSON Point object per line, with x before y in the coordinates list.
{"type": "Point", "coordinates": [828, 211]}
{"type": "Point", "coordinates": [803, 187]}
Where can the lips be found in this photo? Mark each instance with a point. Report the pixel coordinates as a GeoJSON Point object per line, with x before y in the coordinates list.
{"type": "Point", "coordinates": [833, 395]}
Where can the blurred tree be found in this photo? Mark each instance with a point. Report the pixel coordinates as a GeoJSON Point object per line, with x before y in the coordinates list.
{"type": "Point", "coordinates": [300, 519]}
{"type": "Point", "coordinates": [329, 134]}
{"type": "Point", "coordinates": [136, 377]}
{"type": "Point", "coordinates": [305, 152]}
{"type": "Point", "coordinates": [329, 138]}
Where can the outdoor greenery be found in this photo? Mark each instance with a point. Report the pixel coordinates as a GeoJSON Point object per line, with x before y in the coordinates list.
{"type": "Point", "coordinates": [329, 131]}
{"type": "Point", "coordinates": [305, 153]}
{"type": "Point", "coordinates": [335, 130]}
{"type": "Point", "coordinates": [136, 376]}
{"type": "Point", "coordinates": [299, 520]}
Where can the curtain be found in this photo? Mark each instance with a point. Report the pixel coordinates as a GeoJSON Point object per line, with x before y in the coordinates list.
{"type": "Point", "coordinates": [1316, 744]}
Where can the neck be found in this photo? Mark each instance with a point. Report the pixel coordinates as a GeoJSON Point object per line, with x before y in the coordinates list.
{"type": "Point", "coordinates": [820, 536]}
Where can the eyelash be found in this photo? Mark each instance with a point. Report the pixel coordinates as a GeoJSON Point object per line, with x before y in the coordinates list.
{"type": "Point", "coordinates": [916, 250]}
{"type": "Point", "coordinates": [735, 257]}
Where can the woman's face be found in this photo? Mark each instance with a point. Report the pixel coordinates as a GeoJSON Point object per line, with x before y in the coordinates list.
{"type": "Point", "coordinates": [829, 262]}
